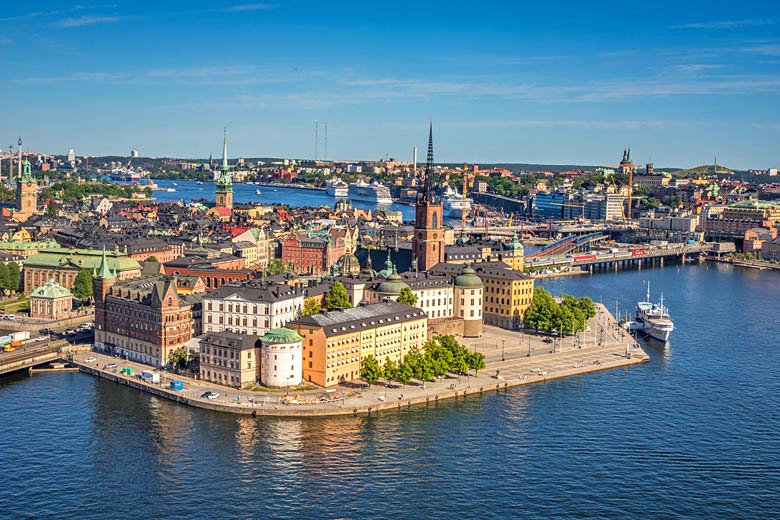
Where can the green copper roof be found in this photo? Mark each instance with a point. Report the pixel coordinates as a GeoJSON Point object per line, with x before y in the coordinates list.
{"type": "Point", "coordinates": [281, 335]}
{"type": "Point", "coordinates": [83, 258]}
{"type": "Point", "coordinates": [468, 279]}
{"type": "Point", "coordinates": [392, 286]}
{"type": "Point", "coordinates": [515, 244]}
{"type": "Point", "coordinates": [50, 290]}
{"type": "Point", "coordinates": [104, 272]}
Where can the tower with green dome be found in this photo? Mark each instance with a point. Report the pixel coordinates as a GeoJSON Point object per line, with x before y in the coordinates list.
{"type": "Point", "coordinates": [225, 180]}
{"type": "Point", "coordinates": [514, 254]}
{"type": "Point", "coordinates": [26, 192]}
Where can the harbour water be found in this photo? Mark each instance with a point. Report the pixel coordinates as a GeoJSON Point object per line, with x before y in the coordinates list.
{"type": "Point", "coordinates": [691, 434]}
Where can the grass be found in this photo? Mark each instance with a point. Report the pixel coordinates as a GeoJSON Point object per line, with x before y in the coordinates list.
{"type": "Point", "coordinates": [19, 303]}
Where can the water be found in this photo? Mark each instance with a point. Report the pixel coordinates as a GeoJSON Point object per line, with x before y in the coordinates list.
{"type": "Point", "coordinates": [247, 193]}
{"type": "Point", "coordinates": [691, 434]}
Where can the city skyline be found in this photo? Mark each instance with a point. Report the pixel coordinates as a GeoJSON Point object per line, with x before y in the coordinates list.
{"type": "Point", "coordinates": [502, 83]}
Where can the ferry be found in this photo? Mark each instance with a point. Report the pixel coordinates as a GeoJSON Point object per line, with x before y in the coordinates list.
{"type": "Point", "coordinates": [372, 192]}
{"type": "Point", "coordinates": [653, 319]}
{"type": "Point", "coordinates": [170, 190]}
{"type": "Point", "coordinates": [337, 188]}
{"type": "Point", "coordinates": [454, 203]}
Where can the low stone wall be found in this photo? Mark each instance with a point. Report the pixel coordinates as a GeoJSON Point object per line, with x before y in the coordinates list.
{"type": "Point", "coordinates": [35, 324]}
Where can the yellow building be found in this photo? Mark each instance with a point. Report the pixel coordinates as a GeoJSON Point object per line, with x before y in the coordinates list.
{"type": "Point", "coordinates": [334, 343]}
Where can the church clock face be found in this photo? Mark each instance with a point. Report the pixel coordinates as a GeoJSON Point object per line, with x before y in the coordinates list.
{"type": "Point", "coordinates": [29, 183]}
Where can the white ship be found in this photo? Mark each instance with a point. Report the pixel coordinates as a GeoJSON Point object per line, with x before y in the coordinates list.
{"type": "Point", "coordinates": [373, 192]}
{"type": "Point", "coordinates": [653, 319]}
{"type": "Point", "coordinates": [337, 188]}
{"type": "Point", "coordinates": [454, 203]}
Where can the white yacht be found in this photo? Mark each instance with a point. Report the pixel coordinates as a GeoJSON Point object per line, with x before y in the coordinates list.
{"type": "Point", "coordinates": [454, 203]}
{"type": "Point", "coordinates": [653, 319]}
{"type": "Point", "coordinates": [371, 192]}
{"type": "Point", "coordinates": [337, 188]}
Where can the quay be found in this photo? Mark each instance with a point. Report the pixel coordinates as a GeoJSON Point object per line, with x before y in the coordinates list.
{"type": "Point", "coordinates": [512, 359]}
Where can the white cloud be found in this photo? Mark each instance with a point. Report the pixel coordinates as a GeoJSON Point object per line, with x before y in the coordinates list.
{"type": "Point", "coordinates": [248, 7]}
{"type": "Point", "coordinates": [727, 24]}
{"type": "Point", "coordinates": [81, 21]}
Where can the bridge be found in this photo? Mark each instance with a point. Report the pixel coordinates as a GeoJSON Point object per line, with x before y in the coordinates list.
{"type": "Point", "coordinates": [568, 244]}
{"type": "Point", "coordinates": [614, 260]}
{"type": "Point", "coordinates": [27, 357]}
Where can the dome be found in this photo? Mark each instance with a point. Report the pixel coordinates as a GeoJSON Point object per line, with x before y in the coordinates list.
{"type": "Point", "coordinates": [515, 244]}
{"type": "Point", "coordinates": [281, 335]}
{"type": "Point", "coordinates": [349, 264]}
{"type": "Point", "coordinates": [392, 286]}
{"type": "Point", "coordinates": [51, 290]}
{"type": "Point", "coordinates": [468, 279]}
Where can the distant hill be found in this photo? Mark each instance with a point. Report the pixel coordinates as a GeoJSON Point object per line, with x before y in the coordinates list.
{"type": "Point", "coordinates": [703, 170]}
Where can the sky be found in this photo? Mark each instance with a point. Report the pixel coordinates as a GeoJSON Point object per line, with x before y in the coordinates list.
{"type": "Point", "coordinates": [557, 82]}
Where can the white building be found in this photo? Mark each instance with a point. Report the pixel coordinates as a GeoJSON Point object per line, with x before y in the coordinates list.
{"type": "Point", "coordinates": [71, 156]}
{"type": "Point", "coordinates": [133, 153]}
{"type": "Point", "coordinates": [250, 308]}
{"type": "Point", "coordinates": [281, 354]}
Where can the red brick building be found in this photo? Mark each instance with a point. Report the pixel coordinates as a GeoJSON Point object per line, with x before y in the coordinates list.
{"type": "Point", "coordinates": [311, 255]}
{"type": "Point", "coordinates": [215, 272]}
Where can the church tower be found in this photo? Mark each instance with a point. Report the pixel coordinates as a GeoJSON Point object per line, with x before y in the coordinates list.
{"type": "Point", "coordinates": [225, 181]}
{"type": "Point", "coordinates": [101, 285]}
{"type": "Point", "coordinates": [26, 192]}
{"type": "Point", "coordinates": [428, 242]}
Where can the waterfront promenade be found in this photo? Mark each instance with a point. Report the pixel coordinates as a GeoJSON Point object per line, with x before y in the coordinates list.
{"type": "Point", "coordinates": [512, 359]}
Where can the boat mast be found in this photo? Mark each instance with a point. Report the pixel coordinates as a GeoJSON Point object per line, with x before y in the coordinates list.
{"type": "Point", "coordinates": [648, 290]}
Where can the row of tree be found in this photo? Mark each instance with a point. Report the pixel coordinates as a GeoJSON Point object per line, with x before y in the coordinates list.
{"type": "Point", "coordinates": [10, 276]}
{"type": "Point", "coordinates": [567, 317]}
{"type": "Point", "coordinates": [442, 355]}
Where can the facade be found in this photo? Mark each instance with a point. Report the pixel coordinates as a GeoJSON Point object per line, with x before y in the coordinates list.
{"type": "Point", "coordinates": [139, 249]}
{"type": "Point", "coordinates": [51, 301]}
{"type": "Point", "coordinates": [251, 308]}
{"type": "Point", "coordinates": [334, 343]}
{"type": "Point", "coordinates": [26, 194]}
{"type": "Point", "coordinates": [62, 266]}
{"type": "Point", "coordinates": [144, 319]}
{"type": "Point", "coordinates": [230, 359]}
{"type": "Point", "coordinates": [770, 250]}
{"type": "Point", "coordinates": [281, 354]}
{"type": "Point", "coordinates": [311, 255]}
{"type": "Point", "coordinates": [734, 220]}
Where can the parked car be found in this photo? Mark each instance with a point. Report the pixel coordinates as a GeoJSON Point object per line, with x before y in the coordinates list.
{"type": "Point", "coordinates": [90, 359]}
{"type": "Point", "coordinates": [210, 395]}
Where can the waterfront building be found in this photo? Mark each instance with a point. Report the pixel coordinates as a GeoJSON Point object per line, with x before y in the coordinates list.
{"type": "Point", "coordinates": [62, 265]}
{"type": "Point", "coordinates": [770, 250]}
{"type": "Point", "coordinates": [428, 240]}
{"type": "Point", "coordinates": [26, 194]}
{"type": "Point", "coordinates": [230, 359]}
{"type": "Point", "coordinates": [251, 308]}
{"type": "Point", "coordinates": [144, 319]}
{"type": "Point", "coordinates": [224, 191]}
{"type": "Point", "coordinates": [281, 352]}
{"type": "Point", "coordinates": [733, 220]}
{"type": "Point", "coordinates": [334, 343]}
{"type": "Point", "coordinates": [311, 255]}
{"type": "Point", "coordinates": [51, 301]}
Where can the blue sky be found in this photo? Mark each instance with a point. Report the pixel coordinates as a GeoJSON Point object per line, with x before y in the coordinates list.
{"type": "Point", "coordinates": [547, 82]}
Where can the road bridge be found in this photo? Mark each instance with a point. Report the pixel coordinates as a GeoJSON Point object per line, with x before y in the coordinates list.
{"type": "Point", "coordinates": [636, 257]}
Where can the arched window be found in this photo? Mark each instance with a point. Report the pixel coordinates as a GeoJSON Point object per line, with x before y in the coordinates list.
{"type": "Point", "coordinates": [435, 219]}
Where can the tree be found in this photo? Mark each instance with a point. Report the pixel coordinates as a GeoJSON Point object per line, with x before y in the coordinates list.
{"type": "Point", "coordinates": [153, 258]}
{"type": "Point", "coordinates": [179, 357]}
{"type": "Point", "coordinates": [337, 297]}
{"type": "Point", "coordinates": [51, 207]}
{"type": "Point", "coordinates": [14, 276]}
{"type": "Point", "coordinates": [540, 313]}
{"type": "Point", "coordinates": [404, 373]}
{"type": "Point", "coordinates": [476, 361]}
{"type": "Point", "coordinates": [390, 369]}
{"type": "Point", "coordinates": [370, 370]}
{"type": "Point", "coordinates": [82, 285]}
{"type": "Point", "coordinates": [310, 307]}
{"type": "Point", "coordinates": [407, 297]}
{"type": "Point", "coordinates": [276, 266]}
{"type": "Point", "coordinates": [4, 279]}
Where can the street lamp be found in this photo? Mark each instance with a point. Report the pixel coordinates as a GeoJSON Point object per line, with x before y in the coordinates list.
{"type": "Point", "coordinates": [503, 358]}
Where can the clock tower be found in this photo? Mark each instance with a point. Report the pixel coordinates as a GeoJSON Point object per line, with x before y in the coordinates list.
{"type": "Point", "coordinates": [428, 241]}
{"type": "Point", "coordinates": [224, 181]}
{"type": "Point", "coordinates": [26, 194]}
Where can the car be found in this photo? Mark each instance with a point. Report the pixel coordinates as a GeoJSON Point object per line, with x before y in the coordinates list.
{"type": "Point", "coordinates": [90, 359]}
{"type": "Point", "coordinates": [210, 395]}
{"type": "Point", "coordinates": [110, 366]}
{"type": "Point", "coordinates": [41, 338]}
{"type": "Point", "coordinates": [9, 317]}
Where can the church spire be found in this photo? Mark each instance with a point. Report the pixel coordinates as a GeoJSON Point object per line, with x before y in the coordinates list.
{"type": "Point", "coordinates": [428, 182]}
{"type": "Point", "coordinates": [103, 271]}
{"type": "Point", "coordinates": [224, 152]}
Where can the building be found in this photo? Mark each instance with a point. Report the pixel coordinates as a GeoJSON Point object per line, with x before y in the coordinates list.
{"type": "Point", "coordinates": [139, 249]}
{"type": "Point", "coordinates": [251, 308]}
{"type": "Point", "coordinates": [62, 266]}
{"type": "Point", "coordinates": [144, 319]}
{"type": "Point", "coordinates": [224, 191]}
{"type": "Point", "coordinates": [281, 354]}
{"type": "Point", "coordinates": [734, 220]}
{"type": "Point", "coordinates": [134, 153]}
{"type": "Point", "coordinates": [51, 301]}
{"type": "Point", "coordinates": [230, 359]}
{"type": "Point", "coordinates": [428, 240]}
{"type": "Point", "coordinates": [215, 271]}
{"type": "Point", "coordinates": [26, 194]}
{"type": "Point", "coordinates": [334, 343]}
{"type": "Point", "coordinates": [311, 255]}
{"type": "Point", "coordinates": [770, 250]}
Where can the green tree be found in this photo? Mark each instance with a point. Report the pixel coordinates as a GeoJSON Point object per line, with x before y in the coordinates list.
{"type": "Point", "coordinates": [153, 258]}
{"type": "Point", "coordinates": [370, 371]}
{"type": "Point", "coordinates": [337, 297]}
{"type": "Point", "coordinates": [310, 307]}
{"type": "Point", "coordinates": [179, 357]}
{"type": "Point", "coordinates": [541, 312]}
{"type": "Point", "coordinates": [276, 266]}
{"type": "Point", "coordinates": [14, 276]}
{"type": "Point", "coordinates": [148, 192]}
{"type": "Point", "coordinates": [407, 297]}
{"type": "Point", "coordinates": [51, 207]}
{"type": "Point", "coordinates": [390, 369]}
{"type": "Point", "coordinates": [82, 285]}
{"type": "Point", "coordinates": [404, 373]}
{"type": "Point", "coordinates": [4, 279]}
{"type": "Point", "coordinates": [476, 361]}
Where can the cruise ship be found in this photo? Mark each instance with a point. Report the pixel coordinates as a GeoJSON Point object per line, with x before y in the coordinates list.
{"type": "Point", "coordinates": [372, 192]}
{"type": "Point", "coordinates": [337, 188]}
{"type": "Point", "coordinates": [653, 319]}
{"type": "Point", "coordinates": [454, 203]}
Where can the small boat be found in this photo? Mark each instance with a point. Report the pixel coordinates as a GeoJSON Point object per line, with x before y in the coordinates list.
{"type": "Point", "coordinates": [175, 184]}
{"type": "Point", "coordinates": [257, 191]}
{"type": "Point", "coordinates": [200, 183]}
{"type": "Point", "coordinates": [275, 189]}
{"type": "Point", "coordinates": [170, 190]}
{"type": "Point", "coordinates": [653, 319]}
